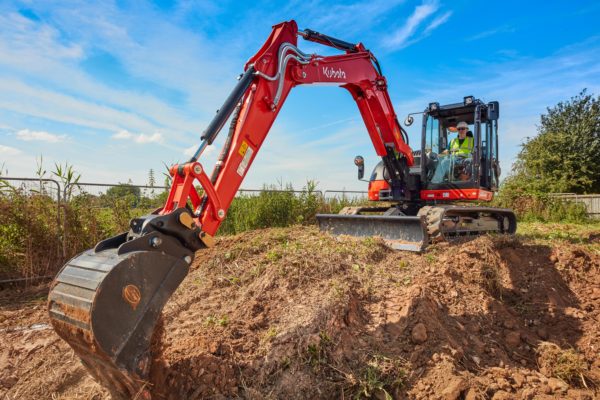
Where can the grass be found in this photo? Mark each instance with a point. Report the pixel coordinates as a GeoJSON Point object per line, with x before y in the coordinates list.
{"type": "Point", "coordinates": [380, 378]}
{"type": "Point", "coordinates": [572, 232]}
{"type": "Point", "coordinates": [567, 365]}
{"type": "Point", "coordinates": [317, 353]}
{"type": "Point", "coordinates": [586, 234]}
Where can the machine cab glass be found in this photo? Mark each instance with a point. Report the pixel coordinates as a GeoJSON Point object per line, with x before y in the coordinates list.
{"type": "Point", "coordinates": [454, 137]}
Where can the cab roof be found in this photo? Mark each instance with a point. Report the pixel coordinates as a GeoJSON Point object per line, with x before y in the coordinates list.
{"type": "Point", "coordinates": [451, 114]}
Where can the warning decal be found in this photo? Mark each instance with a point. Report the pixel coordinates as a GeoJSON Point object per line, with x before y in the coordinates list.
{"type": "Point", "coordinates": [246, 160]}
{"type": "Point", "coordinates": [243, 148]}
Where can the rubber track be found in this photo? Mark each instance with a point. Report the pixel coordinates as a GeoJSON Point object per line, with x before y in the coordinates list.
{"type": "Point", "coordinates": [434, 217]}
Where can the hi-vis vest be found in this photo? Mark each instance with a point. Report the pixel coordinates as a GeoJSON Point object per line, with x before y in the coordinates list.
{"type": "Point", "coordinates": [465, 148]}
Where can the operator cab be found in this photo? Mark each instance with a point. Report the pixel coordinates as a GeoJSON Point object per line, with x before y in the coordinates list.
{"type": "Point", "coordinates": [471, 175]}
{"type": "Point", "coordinates": [447, 175]}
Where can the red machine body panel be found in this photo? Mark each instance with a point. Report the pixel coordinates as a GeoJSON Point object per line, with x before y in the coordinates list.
{"type": "Point", "coordinates": [457, 194]}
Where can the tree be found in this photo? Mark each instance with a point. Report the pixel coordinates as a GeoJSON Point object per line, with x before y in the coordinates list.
{"type": "Point", "coordinates": [151, 179]}
{"type": "Point", "coordinates": [565, 155]}
{"type": "Point", "coordinates": [124, 191]}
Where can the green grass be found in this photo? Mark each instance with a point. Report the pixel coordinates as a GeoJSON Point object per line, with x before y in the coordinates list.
{"type": "Point", "coordinates": [579, 233]}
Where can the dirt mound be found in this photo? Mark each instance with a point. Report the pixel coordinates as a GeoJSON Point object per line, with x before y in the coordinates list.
{"type": "Point", "coordinates": [295, 314]}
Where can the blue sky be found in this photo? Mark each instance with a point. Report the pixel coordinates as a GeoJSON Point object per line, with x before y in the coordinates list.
{"type": "Point", "coordinates": [118, 88]}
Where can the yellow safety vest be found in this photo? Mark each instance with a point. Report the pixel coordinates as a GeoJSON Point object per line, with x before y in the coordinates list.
{"type": "Point", "coordinates": [465, 148]}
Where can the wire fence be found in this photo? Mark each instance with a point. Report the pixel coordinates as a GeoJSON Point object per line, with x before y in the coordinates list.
{"type": "Point", "coordinates": [103, 198]}
{"type": "Point", "coordinates": [37, 186]}
{"type": "Point", "coordinates": [34, 186]}
{"type": "Point", "coordinates": [346, 194]}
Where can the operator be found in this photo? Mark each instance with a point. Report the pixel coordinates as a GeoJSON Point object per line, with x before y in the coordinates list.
{"type": "Point", "coordinates": [463, 144]}
{"type": "Point", "coordinates": [460, 149]}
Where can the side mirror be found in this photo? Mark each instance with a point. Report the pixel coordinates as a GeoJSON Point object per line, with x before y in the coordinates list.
{"type": "Point", "coordinates": [409, 120]}
{"type": "Point", "coordinates": [360, 163]}
{"type": "Point", "coordinates": [493, 110]}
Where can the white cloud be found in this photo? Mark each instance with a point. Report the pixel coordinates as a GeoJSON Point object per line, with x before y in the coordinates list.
{"type": "Point", "coordinates": [350, 17]}
{"type": "Point", "coordinates": [189, 151]}
{"type": "Point", "coordinates": [491, 32]}
{"type": "Point", "coordinates": [9, 151]}
{"type": "Point", "coordinates": [39, 136]}
{"type": "Point", "coordinates": [442, 19]}
{"type": "Point", "coordinates": [139, 138]}
{"type": "Point", "coordinates": [401, 37]}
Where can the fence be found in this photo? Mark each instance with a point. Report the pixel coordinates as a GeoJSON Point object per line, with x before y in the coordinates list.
{"type": "Point", "coordinates": [37, 186]}
{"type": "Point", "coordinates": [591, 202]}
{"type": "Point", "coordinates": [106, 196]}
{"type": "Point", "coordinates": [345, 194]}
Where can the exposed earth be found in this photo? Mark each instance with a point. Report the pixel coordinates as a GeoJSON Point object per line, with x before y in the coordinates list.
{"type": "Point", "coordinates": [295, 314]}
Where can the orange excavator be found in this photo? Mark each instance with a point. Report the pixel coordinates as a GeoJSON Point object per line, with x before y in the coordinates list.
{"type": "Point", "coordinates": [106, 301]}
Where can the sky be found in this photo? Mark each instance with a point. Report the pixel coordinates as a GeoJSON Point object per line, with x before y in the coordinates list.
{"type": "Point", "coordinates": [116, 88]}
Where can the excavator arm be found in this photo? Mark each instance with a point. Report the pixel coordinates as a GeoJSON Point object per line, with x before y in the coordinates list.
{"type": "Point", "coordinates": [106, 301]}
{"type": "Point", "coordinates": [269, 77]}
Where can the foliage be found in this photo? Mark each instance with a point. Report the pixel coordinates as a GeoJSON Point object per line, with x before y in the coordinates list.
{"type": "Point", "coordinates": [36, 239]}
{"type": "Point", "coordinates": [538, 206]}
{"type": "Point", "coordinates": [127, 191]}
{"type": "Point", "coordinates": [67, 176]}
{"type": "Point", "coordinates": [563, 157]}
{"type": "Point", "coordinates": [279, 206]}
{"type": "Point", "coordinates": [29, 234]}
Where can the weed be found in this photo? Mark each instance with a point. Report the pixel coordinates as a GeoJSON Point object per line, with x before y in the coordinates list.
{"type": "Point", "coordinates": [370, 242]}
{"type": "Point", "coordinates": [285, 363]}
{"type": "Point", "coordinates": [233, 280]}
{"type": "Point", "coordinates": [223, 321]}
{"type": "Point", "coordinates": [379, 377]}
{"type": "Point", "coordinates": [273, 255]}
{"type": "Point", "coordinates": [338, 289]}
{"type": "Point", "coordinates": [271, 333]}
{"type": "Point", "coordinates": [430, 258]}
{"type": "Point", "coordinates": [317, 353]}
{"type": "Point", "coordinates": [567, 365]}
{"type": "Point", "coordinates": [213, 320]}
{"type": "Point", "coordinates": [197, 281]}
{"type": "Point", "coordinates": [257, 270]}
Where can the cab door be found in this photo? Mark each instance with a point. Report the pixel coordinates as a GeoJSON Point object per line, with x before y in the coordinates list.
{"type": "Point", "coordinates": [490, 163]}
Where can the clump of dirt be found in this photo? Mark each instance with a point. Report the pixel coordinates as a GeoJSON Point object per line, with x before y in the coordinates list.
{"type": "Point", "coordinates": [296, 314]}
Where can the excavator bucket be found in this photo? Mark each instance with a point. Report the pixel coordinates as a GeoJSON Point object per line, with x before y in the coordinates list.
{"type": "Point", "coordinates": [106, 302]}
{"type": "Point", "coordinates": [398, 232]}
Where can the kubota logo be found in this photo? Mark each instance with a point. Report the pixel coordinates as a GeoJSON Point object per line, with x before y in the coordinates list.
{"type": "Point", "coordinates": [334, 73]}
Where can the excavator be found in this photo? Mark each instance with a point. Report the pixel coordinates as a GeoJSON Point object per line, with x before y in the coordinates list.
{"type": "Point", "coordinates": [106, 302]}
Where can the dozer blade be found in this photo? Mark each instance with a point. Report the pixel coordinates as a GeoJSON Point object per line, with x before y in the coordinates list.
{"type": "Point", "coordinates": [105, 304]}
{"type": "Point", "coordinates": [398, 232]}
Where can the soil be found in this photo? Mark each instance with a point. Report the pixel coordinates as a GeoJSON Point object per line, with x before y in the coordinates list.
{"type": "Point", "coordinates": [295, 314]}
